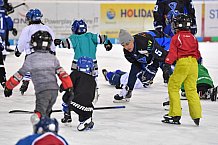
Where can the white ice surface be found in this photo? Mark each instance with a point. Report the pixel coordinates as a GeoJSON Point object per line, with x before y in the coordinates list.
{"type": "Point", "coordinates": [138, 124]}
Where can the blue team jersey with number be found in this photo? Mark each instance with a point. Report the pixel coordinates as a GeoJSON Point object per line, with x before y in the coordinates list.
{"type": "Point", "coordinates": [6, 23]}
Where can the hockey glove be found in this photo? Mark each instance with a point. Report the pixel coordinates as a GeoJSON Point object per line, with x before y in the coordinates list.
{"type": "Point", "coordinates": [17, 53]}
{"type": "Point", "coordinates": [194, 29]}
{"type": "Point", "coordinates": [166, 72]}
{"type": "Point", "coordinates": [68, 96]}
{"type": "Point", "coordinates": [146, 76]}
{"type": "Point", "coordinates": [52, 52]}
{"type": "Point", "coordinates": [108, 46]}
{"type": "Point", "coordinates": [142, 60]}
{"type": "Point", "coordinates": [7, 92]}
{"type": "Point", "coordinates": [14, 32]}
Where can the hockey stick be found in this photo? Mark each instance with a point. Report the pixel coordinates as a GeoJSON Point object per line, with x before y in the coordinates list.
{"type": "Point", "coordinates": [12, 10]}
{"type": "Point", "coordinates": [97, 108]}
{"type": "Point", "coordinates": [19, 5]}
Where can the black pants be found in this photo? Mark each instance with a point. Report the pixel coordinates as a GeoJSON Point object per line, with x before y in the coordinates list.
{"type": "Point", "coordinates": [2, 69]}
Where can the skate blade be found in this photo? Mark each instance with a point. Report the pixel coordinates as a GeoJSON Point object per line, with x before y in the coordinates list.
{"type": "Point", "coordinates": [170, 122]}
{"type": "Point", "coordinates": [68, 124]}
{"type": "Point", "coordinates": [121, 101]}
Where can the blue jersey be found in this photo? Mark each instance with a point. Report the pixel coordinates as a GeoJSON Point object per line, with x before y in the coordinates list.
{"type": "Point", "coordinates": [1, 3]}
{"type": "Point", "coordinates": [6, 24]}
{"type": "Point", "coordinates": [165, 9]}
{"type": "Point", "coordinates": [151, 43]}
{"type": "Point", "coordinates": [43, 139]}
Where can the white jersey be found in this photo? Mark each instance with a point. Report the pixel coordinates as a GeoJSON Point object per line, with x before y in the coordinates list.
{"type": "Point", "coordinates": [25, 37]}
{"type": "Point", "coordinates": [124, 81]}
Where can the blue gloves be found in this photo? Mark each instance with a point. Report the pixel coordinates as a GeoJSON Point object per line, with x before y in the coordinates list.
{"type": "Point", "coordinates": [142, 60]}
{"type": "Point", "coordinates": [146, 76]}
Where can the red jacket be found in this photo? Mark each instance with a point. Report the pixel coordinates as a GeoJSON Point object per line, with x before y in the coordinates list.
{"type": "Point", "coordinates": [183, 44]}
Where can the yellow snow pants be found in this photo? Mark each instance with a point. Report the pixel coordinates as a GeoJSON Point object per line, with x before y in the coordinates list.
{"type": "Point", "coordinates": [186, 70]}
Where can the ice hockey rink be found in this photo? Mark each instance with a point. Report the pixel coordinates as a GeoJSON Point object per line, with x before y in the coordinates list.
{"type": "Point", "coordinates": [137, 124]}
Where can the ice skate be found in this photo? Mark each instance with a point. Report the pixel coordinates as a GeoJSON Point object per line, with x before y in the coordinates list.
{"type": "Point", "coordinates": [171, 119]}
{"type": "Point", "coordinates": [104, 72]}
{"type": "Point", "coordinates": [121, 99]}
{"type": "Point", "coordinates": [166, 105]}
{"type": "Point", "coordinates": [24, 86]}
{"type": "Point", "coordinates": [183, 94]}
{"type": "Point", "coordinates": [197, 121]}
{"type": "Point", "coordinates": [213, 94]}
{"type": "Point", "coordinates": [85, 125]}
{"type": "Point", "coordinates": [67, 118]}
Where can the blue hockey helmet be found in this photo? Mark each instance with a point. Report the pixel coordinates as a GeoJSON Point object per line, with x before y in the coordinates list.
{"type": "Point", "coordinates": [46, 124]}
{"type": "Point", "coordinates": [85, 64]}
{"type": "Point", "coordinates": [79, 27]}
{"type": "Point", "coordinates": [34, 15]}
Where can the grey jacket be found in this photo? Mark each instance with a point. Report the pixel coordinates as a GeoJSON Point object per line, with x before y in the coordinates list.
{"type": "Point", "coordinates": [42, 67]}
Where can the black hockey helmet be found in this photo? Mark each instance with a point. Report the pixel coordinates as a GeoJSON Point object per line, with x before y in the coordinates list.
{"type": "Point", "coordinates": [41, 40]}
{"type": "Point", "coordinates": [181, 22]}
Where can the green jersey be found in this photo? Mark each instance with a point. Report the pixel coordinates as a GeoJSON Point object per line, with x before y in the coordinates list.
{"type": "Point", "coordinates": [84, 45]}
{"type": "Point", "coordinates": [203, 77]}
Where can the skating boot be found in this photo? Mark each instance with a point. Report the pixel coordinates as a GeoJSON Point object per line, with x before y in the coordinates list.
{"type": "Point", "coordinates": [121, 99]}
{"type": "Point", "coordinates": [213, 94]}
{"type": "Point", "coordinates": [166, 105]}
{"type": "Point", "coordinates": [85, 125]}
{"type": "Point", "coordinates": [197, 121]}
{"type": "Point", "coordinates": [171, 119]}
{"type": "Point", "coordinates": [104, 72]}
{"type": "Point", "coordinates": [24, 86]}
{"type": "Point", "coordinates": [67, 118]}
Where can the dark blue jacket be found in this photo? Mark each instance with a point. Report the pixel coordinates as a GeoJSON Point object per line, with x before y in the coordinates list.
{"type": "Point", "coordinates": [155, 43]}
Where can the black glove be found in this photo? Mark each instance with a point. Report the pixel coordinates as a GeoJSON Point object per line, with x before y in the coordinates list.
{"type": "Point", "coordinates": [14, 32]}
{"type": "Point", "coordinates": [194, 29]}
{"type": "Point", "coordinates": [68, 96]}
{"type": "Point", "coordinates": [61, 88]}
{"type": "Point", "coordinates": [17, 53]}
{"type": "Point", "coordinates": [108, 46]}
{"type": "Point", "coordinates": [166, 72]}
{"type": "Point", "coordinates": [7, 92]}
{"type": "Point", "coordinates": [57, 42]}
{"type": "Point", "coordinates": [52, 52]}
